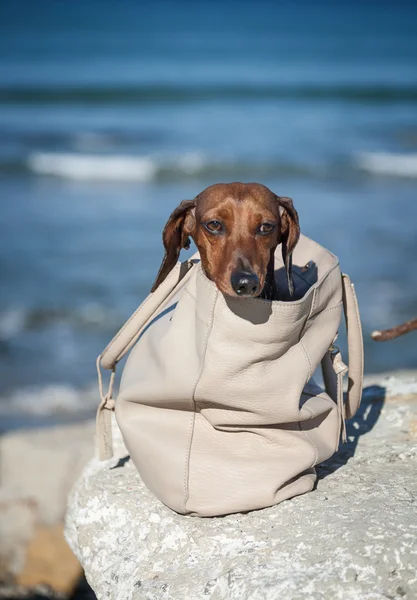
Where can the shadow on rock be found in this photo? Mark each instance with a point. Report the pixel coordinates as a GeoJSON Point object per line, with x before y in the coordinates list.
{"type": "Point", "coordinates": [373, 399]}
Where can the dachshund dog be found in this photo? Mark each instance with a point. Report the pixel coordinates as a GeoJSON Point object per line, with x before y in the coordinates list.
{"type": "Point", "coordinates": [236, 228]}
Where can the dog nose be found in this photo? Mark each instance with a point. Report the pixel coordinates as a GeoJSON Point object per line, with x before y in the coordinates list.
{"type": "Point", "coordinates": [244, 284]}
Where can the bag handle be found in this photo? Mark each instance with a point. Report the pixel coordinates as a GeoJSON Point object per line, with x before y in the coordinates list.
{"type": "Point", "coordinates": [334, 369]}
{"type": "Point", "coordinates": [126, 337]}
{"type": "Point", "coordinates": [355, 347]}
{"type": "Point", "coordinates": [123, 341]}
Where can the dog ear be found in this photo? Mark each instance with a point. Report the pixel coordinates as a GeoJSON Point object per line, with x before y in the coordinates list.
{"type": "Point", "coordinates": [175, 237]}
{"type": "Point", "coordinates": [290, 233]}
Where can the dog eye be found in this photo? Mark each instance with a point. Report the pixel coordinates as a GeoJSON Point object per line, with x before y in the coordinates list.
{"type": "Point", "coordinates": [214, 226]}
{"type": "Point", "coordinates": [266, 228]}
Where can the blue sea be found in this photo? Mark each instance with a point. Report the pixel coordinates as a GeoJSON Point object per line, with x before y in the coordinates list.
{"type": "Point", "coordinates": [111, 113]}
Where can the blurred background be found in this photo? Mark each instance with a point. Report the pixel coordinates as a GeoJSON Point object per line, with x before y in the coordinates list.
{"type": "Point", "coordinates": [111, 113]}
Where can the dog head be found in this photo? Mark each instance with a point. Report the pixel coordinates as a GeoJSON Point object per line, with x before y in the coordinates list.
{"type": "Point", "coordinates": [236, 228]}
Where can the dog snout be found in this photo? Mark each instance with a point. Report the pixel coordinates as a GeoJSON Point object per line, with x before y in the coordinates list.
{"type": "Point", "coordinates": [244, 283]}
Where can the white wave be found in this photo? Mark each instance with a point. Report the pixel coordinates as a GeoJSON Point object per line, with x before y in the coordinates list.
{"type": "Point", "coordinates": [191, 162]}
{"type": "Point", "coordinates": [112, 167]}
{"type": "Point", "coordinates": [12, 323]}
{"type": "Point", "coordinates": [387, 163]}
{"type": "Point", "coordinates": [50, 400]}
{"type": "Point", "coordinates": [93, 167]}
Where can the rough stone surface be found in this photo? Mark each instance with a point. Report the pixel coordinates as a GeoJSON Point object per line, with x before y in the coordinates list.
{"type": "Point", "coordinates": [354, 537]}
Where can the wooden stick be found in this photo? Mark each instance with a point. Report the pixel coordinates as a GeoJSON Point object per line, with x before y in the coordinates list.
{"type": "Point", "coordinates": [391, 334]}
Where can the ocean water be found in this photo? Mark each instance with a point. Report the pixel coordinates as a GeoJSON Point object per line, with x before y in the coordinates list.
{"type": "Point", "coordinates": [111, 113]}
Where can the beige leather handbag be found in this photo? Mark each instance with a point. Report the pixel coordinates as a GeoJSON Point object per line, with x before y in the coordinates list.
{"type": "Point", "coordinates": [217, 403]}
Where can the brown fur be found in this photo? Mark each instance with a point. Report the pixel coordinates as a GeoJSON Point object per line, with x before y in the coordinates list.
{"type": "Point", "coordinates": [241, 209]}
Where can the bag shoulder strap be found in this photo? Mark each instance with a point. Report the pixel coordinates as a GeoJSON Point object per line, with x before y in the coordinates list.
{"type": "Point", "coordinates": [126, 337]}
{"type": "Point", "coordinates": [334, 369]}
{"type": "Point", "coordinates": [355, 347]}
{"type": "Point", "coordinates": [123, 341]}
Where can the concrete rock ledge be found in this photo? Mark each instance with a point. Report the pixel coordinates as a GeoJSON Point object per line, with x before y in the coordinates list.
{"type": "Point", "coordinates": [354, 537]}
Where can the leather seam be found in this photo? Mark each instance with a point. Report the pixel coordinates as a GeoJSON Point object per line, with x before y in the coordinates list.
{"type": "Point", "coordinates": [197, 317]}
{"type": "Point", "coordinates": [310, 412]}
{"type": "Point", "coordinates": [190, 294]}
{"type": "Point", "coordinates": [316, 457]}
{"type": "Point", "coordinates": [187, 461]}
{"type": "Point", "coordinates": [326, 310]}
{"type": "Point", "coordinates": [194, 407]}
{"type": "Point", "coordinates": [201, 321]}
{"type": "Point", "coordinates": [310, 368]}
{"type": "Point", "coordinates": [313, 305]}
{"type": "Point", "coordinates": [327, 399]}
{"type": "Point", "coordinates": [311, 317]}
{"type": "Point", "coordinates": [310, 312]}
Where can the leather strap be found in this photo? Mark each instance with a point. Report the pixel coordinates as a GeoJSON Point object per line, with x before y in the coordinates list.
{"type": "Point", "coordinates": [355, 347]}
{"type": "Point", "coordinates": [103, 417]}
{"type": "Point", "coordinates": [122, 343]}
{"type": "Point", "coordinates": [334, 369]}
{"type": "Point", "coordinates": [129, 333]}
{"type": "Point", "coordinates": [104, 429]}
